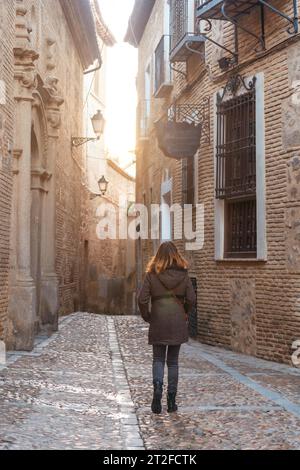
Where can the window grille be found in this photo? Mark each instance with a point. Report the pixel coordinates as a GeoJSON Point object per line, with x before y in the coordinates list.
{"type": "Point", "coordinates": [236, 167]}
{"type": "Point", "coordinates": [236, 147]}
{"type": "Point", "coordinates": [241, 233]}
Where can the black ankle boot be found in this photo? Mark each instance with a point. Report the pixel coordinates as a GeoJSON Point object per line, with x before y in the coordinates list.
{"type": "Point", "coordinates": [171, 399]}
{"type": "Point", "coordinates": [157, 396]}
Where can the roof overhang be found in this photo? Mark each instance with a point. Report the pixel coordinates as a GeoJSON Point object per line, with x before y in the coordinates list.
{"type": "Point", "coordinates": [79, 16]}
{"type": "Point", "coordinates": [102, 29]}
{"type": "Point", "coordinates": [138, 21]}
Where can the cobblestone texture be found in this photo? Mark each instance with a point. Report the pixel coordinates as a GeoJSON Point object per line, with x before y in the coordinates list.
{"type": "Point", "coordinates": [89, 387]}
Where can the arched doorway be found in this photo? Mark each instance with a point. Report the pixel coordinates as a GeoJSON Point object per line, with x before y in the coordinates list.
{"type": "Point", "coordinates": [36, 225]}
{"type": "Point", "coordinates": [38, 208]}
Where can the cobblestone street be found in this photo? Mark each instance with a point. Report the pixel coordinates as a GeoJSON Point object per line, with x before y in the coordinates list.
{"type": "Point", "coordinates": [89, 387]}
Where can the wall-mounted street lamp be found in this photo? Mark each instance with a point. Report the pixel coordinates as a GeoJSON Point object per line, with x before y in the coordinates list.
{"type": "Point", "coordinates": [98, 122]}
{"type": "Point", "coordinates": [103, 185]}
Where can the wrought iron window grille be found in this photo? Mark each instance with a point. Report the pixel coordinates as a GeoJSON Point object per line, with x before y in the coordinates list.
{"type": "Point", "coordinates": [236, 140]}
{"type": "Point", "coordinates": [234, 84]}
{"type": "Point", "coordinates": [241, 230]}
{"type": "Point", "coordinates": [232, 11]}
{"type": "Point", "coordinates": [193, 114]}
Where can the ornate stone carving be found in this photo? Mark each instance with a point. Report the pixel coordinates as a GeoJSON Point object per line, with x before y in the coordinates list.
{"type": "Point", "coordinates": [50, 63]}
{"type": "Point", "coordinates": [54, 102]}
{"type": "Point", "coordinates": [22, 50]}
{"type": "Point", "coordinates": [17, 153]}
{"type": "Point", "coordinates": [54, 118]}
{"type": "Point", "coordinates": [25, 73]}
{"type": "Point", "coordinates": [39, 179]}
{"type": "Point", "coordinates": [27, 79]}
{"type": "Point", "coordinates": [51, 85]}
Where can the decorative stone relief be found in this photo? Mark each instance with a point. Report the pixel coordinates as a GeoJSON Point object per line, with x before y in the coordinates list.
{"type": "Point", "coordinates": [39, 179]}
{"type": "Point", "coordinates": [291, 106]}
{"type": "Point", "coordinates": [50, 62]}
{"type": "Point", "coordinates": [293, 189]}
{"type": "Point", "coordinates": [294, 64]}
{"type": "Point", "coordinates": [292, 218]}
{"type": "Point", "coordinates": [55, 100]}
{"type": "Point", "coordinates": [290, 122]}
{"type": "Point", "coordinates": [25, 73]}
{"type": "Point", "coordinates": [16, 157]}
{"type": "Point", "coordinates": [243, 313]}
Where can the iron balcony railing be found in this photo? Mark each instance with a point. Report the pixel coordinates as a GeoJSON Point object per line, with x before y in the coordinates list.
{"type": "Point", "coordinates": [163, 74]}
{"type": "Point", "coordinates": [185, 35]}
{"type": "Point", "coordinates": [182, 20]}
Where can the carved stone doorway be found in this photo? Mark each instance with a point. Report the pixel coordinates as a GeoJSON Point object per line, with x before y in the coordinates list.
{"type": "Point", "coordinates": [36, 225]}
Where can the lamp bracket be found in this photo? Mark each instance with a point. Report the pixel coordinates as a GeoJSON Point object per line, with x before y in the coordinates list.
{"type": "Point", "coordinates": [78, 141]}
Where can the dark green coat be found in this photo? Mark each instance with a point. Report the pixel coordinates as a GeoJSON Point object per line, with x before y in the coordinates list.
{"type": "Point", "coordinates": [167, 319]}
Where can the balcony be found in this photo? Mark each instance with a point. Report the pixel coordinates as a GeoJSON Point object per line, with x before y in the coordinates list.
{"type": "Point", "coordinates": [232, 10]}
{"type": "Point", "coordinates": [212, 9]}
{"type": "Point", "coordinates": [163, 75]}
{"type": "Point", "coordinates": [184, 39]}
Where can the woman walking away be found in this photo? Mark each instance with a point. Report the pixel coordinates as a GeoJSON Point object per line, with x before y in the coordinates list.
{"type": "Point", "coordinates": [168, 286]}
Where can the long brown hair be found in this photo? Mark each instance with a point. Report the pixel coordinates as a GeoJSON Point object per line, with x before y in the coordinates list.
{"type": "Point", "coordinates": [167, 255]}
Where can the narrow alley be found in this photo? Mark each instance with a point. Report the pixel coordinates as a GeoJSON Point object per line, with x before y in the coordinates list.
{"type": "Point", "coordinates": [89, 386]}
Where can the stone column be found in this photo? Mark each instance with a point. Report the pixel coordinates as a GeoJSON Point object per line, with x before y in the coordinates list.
{"type": "Point", "coordinates": [22, 291]}
{"type": "Point", "coordinates": [49, 287]}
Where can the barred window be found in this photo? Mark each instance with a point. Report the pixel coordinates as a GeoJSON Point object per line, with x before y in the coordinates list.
{"type": "Point", "coordinates": [236, 173]}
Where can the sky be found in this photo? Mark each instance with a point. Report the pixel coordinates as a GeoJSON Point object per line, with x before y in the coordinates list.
{"type": "Point", "coordinates": [121, 95]}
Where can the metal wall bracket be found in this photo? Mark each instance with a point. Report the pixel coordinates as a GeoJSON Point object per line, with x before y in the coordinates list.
{"type": "Point", "coordinates": [234, 20]}
{"type": "Point", "coordinates": [177, 70]}
{"type": "Point", "coordinates": [294, 29]}
{"type": "Point", "coordinates": [220, 11]}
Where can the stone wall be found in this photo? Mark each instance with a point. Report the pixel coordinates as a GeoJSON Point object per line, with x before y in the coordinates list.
{"type": "Point", "coordinates": [41, 179]}
{"type": "Point", "coordinates": [69, 162]}
{"type": "Point", "coordinates": [249, 306]}
{"type": "Point", "coordinates": [7, 22]}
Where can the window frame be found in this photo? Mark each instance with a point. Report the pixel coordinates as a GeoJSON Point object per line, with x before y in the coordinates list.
{"type": "Point", "coordinates": [220, 209]}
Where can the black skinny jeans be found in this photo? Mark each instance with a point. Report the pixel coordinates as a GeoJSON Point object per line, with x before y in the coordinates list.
{"type": "Point", "coordinates": [159, 358]}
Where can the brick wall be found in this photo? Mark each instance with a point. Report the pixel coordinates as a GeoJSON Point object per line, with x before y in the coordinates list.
{"type": "Point", "coordinates": [69, 162]}
{"type": "Point", "coordinates": [7, 20]}
{"type": "Point", "coordinates": [228, 289]}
